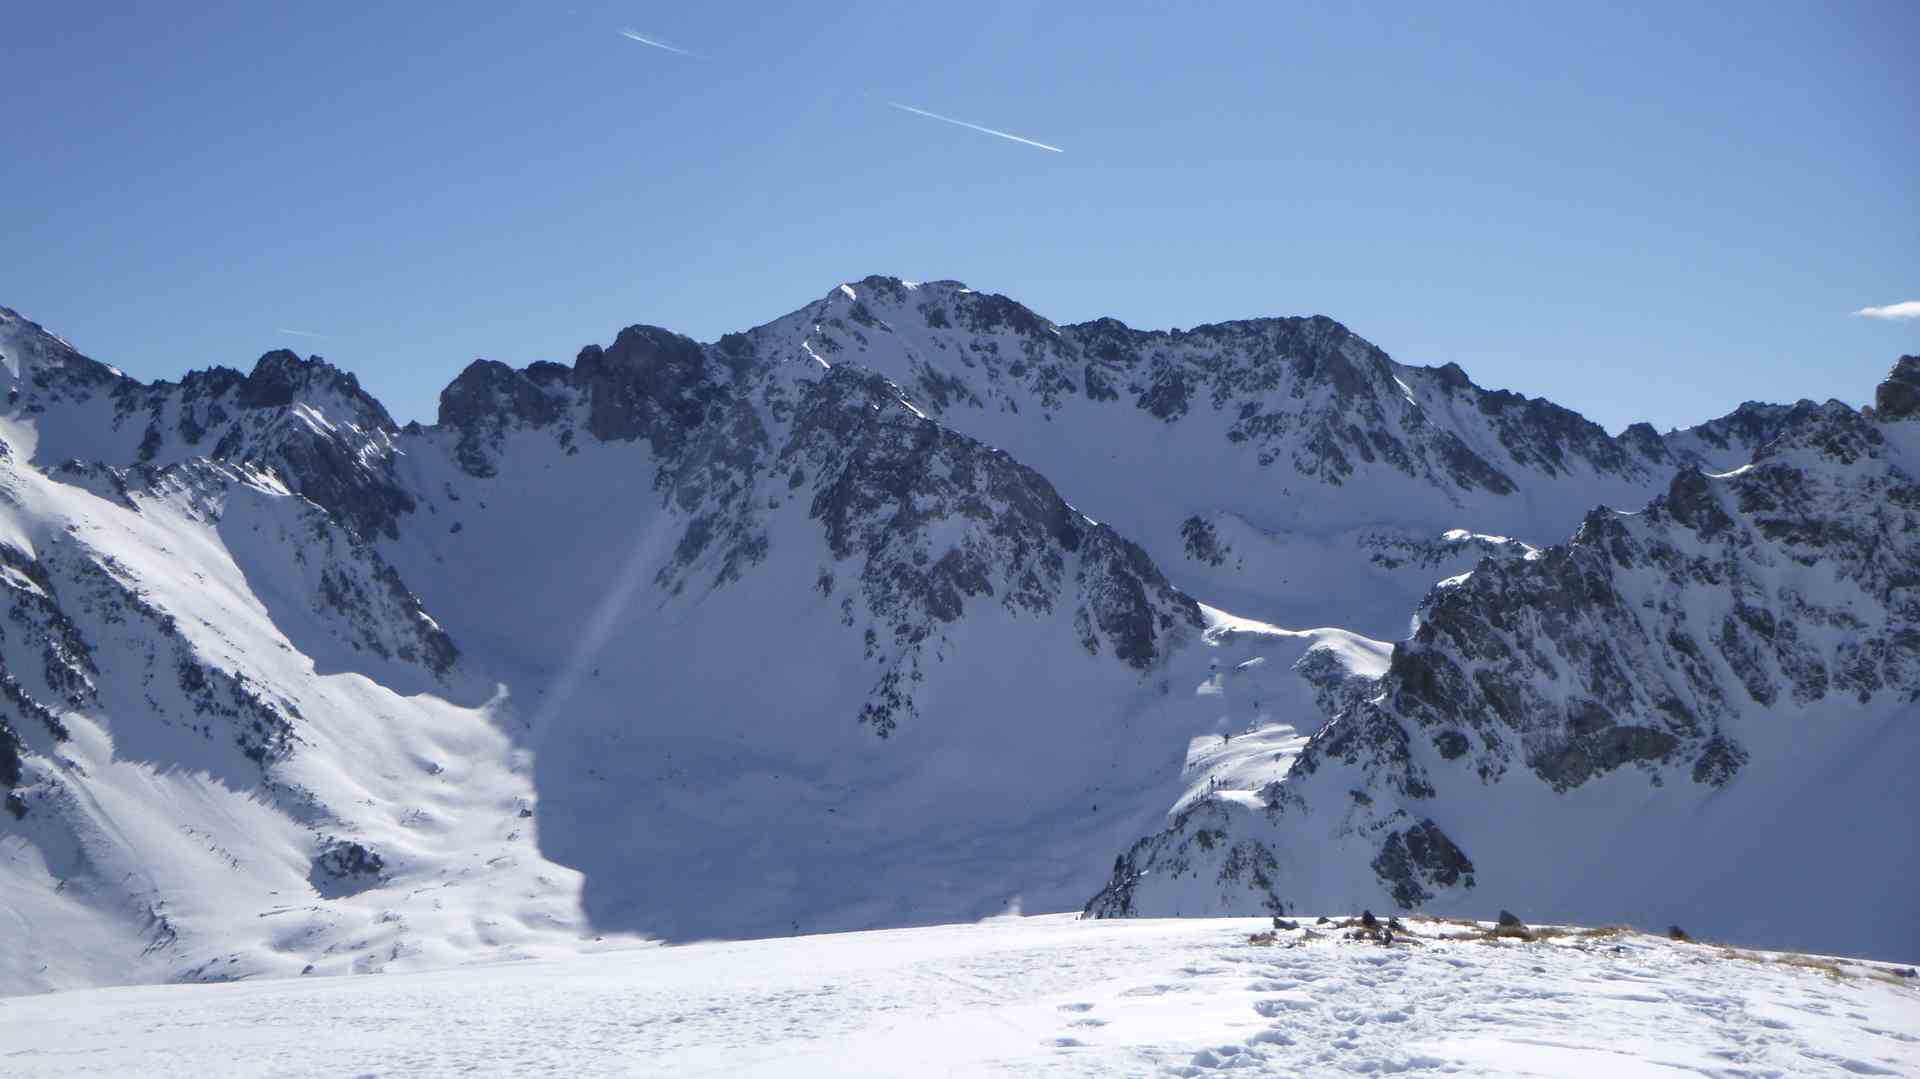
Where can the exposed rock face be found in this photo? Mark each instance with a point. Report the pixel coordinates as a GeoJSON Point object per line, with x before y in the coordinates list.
{"type": "Point", "coordinates": [1415, 860]}
{"type": "Point", "coordinates": [281, 377]}
{"type": "Point", "coordinates": [1307, 388]}
{"type": "Point", "coordinates": [1665, 644]}
{"type": "Point", "coordinates": [1731, 440]}
{"type": "Point", "coordinates": [1199, 844]}
{"type": "Point", "coordinates": [886, 476]}
{"type": "Point", "coordinates": [652, 383]}
{"type": "Point", "coordinates": [1306, 391]}
{"type": "Point", "coordinates": [1477, 660]}
{"type": "Point", "coordinates": [1898, 398]}
{"type": "Point", "coordinates": [62, 678]}
{"type": "Point", "coordinates": [48, 362]}
{"type": "Point", "coordinates": [344, 867]}
{"type": "Point", "coordinates": [489, 399]}
{"type": "Point", "coordinates": [733, 435]}
{"type": "Point", "coordinates": [1394, 551]}
{"type": "Point", "coordinates": [1295, 428]}
{"type": "Point", "coordinates": [307, 420]}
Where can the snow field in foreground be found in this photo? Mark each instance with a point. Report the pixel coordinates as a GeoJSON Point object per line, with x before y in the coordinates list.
{"type": "Point", "coordinates": [1048, 995]}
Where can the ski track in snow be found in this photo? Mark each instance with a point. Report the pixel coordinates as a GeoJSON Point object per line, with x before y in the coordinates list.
{"type": "Point", "coordinates": [1030, 996]}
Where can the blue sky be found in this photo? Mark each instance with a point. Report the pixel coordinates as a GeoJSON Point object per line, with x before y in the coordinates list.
{"type": "Point", "coordinates": [1641, 213]}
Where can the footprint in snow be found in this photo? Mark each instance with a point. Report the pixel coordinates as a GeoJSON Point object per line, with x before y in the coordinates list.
{"type": "Point", "coordinates": [1076, 1007]}
{"type": "Point", "coordinates": [1153, 990]}
{"type": "Point", "coordinates": [1894, 1034]}
{"type": "Point", "coordinates": [1274, 1007]}
{"type": "Point", "coordinates": [1272, 1036]}
{"type": "Point", "coordinates": [1226, 1056]}
{"type": "Point", "coordinates": [1852, 1064]}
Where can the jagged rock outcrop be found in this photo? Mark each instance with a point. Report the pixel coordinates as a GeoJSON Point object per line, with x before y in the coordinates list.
{"type": "Point", "coordinates": [1898, 397]}
{"type": "Point", "coordinates": [1298, 442]}
{"type": "Point", "coordinates": [651, 383]}
{"type": "Point", "coordinates": [1729, 441]}
{"type": "Point", "coordinates": [307, 420]}
{"type": "Point", "coordinates": [885, 477]}
{"type": "Point", "coordinates": [1667, 654]}
{"type": "Point", "coordinates": [1305, 394]}
{"type": "Point", "coordinates": [489, 399]}
{"type": "Point", "coordinates": [345, 867]}
{"type": "Point", "coordinates": [732, 436]}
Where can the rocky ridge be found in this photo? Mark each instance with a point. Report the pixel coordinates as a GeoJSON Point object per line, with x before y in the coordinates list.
{"type": "Point", "coordinates": [1312, 442]}
{"type": "Point", "coordinates": [1671, 649]}
{"type": "Point", "coordinates": [234, 585]}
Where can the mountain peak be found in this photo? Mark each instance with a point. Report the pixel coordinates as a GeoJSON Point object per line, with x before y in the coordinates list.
{"type": "Point", "coordinates": [1898, 397]}
{"type": "Point", "coordinates": [30, 351]}
{"type": "Point", "coordinates": [280, 377]}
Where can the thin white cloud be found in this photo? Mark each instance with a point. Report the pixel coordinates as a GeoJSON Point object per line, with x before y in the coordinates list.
{"type": "Point", "coordinates": [299, 333]}
{"type": "Point", "coordinates": [1909, 309]}
{"type": "Point", "coordinates": [974, 127]}
{"type": "Point", "coordinates": [634, 35]}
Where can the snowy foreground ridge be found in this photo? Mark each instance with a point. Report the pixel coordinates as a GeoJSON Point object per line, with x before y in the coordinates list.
{"type": "Point", "coordinates": [1034, 996]}
{"type": "Point", "coordinates": [912, 608]}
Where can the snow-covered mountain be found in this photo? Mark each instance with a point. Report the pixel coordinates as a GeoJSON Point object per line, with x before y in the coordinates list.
{"type": "Point", "coordinates": [1282, 468]}
{"type": "Point", "coordinates": [232, 742]}
{"type": "Point", "coordinates": [757, 647]}
{"type": "Point", "coordinates": [1707, 711]}
{"type": "Point", "coordinates": [887, 612]}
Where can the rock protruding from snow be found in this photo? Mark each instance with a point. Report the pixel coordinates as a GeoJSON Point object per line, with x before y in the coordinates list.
{"type": "Point", "coordinates": [1898, 398]}
{"type": "Point", "coordinates": [651, 383]}
{"type": "Point", "coordinates": [307, 420]}
{"type": "Point", "coordinates": [490, 399]}
{"type": "Point", "coordinates": [885, 477]}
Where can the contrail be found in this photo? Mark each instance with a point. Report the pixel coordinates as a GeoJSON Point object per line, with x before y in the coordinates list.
{"type": "Point", "coordinates": [299, 333]}
{"type": "Point", "coordinates": [976, 127]}
{"type": "Point", "coordinates": [632, 35]}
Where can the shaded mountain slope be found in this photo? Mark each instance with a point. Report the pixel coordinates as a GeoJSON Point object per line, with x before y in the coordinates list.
{"type": "Point", "coordinates": [1701, 712]}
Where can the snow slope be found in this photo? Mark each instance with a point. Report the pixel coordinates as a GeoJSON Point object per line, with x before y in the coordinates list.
{"type": "Point", "coordinates": [1024, 996]}
{"type": "Point", "coordinates": [233, 745]}
{"type": "Point", "coordinates": [200, 729]}
{"type": "Point", "coordinates": [819, 665]}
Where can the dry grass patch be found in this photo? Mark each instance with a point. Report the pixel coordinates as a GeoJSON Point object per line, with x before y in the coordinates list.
{"type": "Point", "coordinates": [1830, 967]}
{"type": "Point", "coordinates": [1531, 933]}
{"type": "Point", "coordinates": [1836, 969]}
